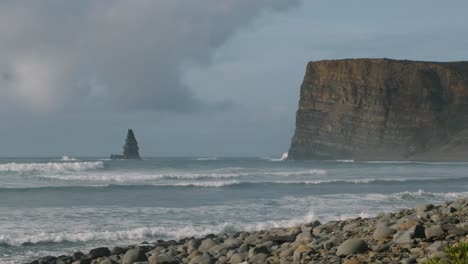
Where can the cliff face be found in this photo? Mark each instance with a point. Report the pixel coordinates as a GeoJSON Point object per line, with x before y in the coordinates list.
{"type": "Point", "coordinates": [380, 109]}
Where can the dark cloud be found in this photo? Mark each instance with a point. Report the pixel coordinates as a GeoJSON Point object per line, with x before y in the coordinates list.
{"type": "Point", "coordinates": [119, 54]}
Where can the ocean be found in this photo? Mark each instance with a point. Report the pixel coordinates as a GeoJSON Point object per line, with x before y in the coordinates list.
{"type": "Point", "coordinates": [54, 206]}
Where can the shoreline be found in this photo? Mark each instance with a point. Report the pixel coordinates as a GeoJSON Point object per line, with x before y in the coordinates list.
{"type": "Point", "coordinates": [407, 236]}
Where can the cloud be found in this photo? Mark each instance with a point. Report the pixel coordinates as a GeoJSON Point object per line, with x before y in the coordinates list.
{"type": "Point", "coordinates": [120, 54]}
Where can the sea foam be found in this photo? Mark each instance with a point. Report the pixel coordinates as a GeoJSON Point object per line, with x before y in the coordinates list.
{"type": "Point", "coordinates": [51, 166]}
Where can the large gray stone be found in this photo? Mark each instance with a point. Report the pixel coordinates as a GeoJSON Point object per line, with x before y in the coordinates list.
{"type": "Point", "coordinates": [437, 246]}
{"type": "Point", "coordinates": [238, 258]}
{"type": "Point", "coordinates": [232, 243]}
{"type": "Point", "coordinates": [134, 255]}
{"type": "Point", "coordinates": [99, 252]}
{"type": "Point", "coordinates": [202, 259]}
{"type": "Point", "coordinates": [206, 245]}
{"type": "Point", "coordinates": [162, 259]}
{"type": "Point", "coordinates": [351, 247]}
{"type": "Point", "coordinates": [382, 231]}
{"type": "Point", "coordinates": [257, 250]}
{"type": "Point", "coordinates": [259, 258]}
{"type": "Point", "coordinates": [408, 236]}
{"type": "Point", "coordinates": [434, 232]}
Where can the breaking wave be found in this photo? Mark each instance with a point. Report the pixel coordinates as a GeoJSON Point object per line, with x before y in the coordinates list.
{"type": "Point", "coordinates": [139, 234]}
{"type": "Point", "coordinates": [51, 166]}
{"type": "Point", "coordinates": [206, 158]}
{"type": "Point", "coordinates": [298, 173]}
{"type": "Point", "coordinates": [66, 158]}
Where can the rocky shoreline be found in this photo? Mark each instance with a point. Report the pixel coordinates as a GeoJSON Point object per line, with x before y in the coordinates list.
{"type": "Point", "coordinates": [408, 236]}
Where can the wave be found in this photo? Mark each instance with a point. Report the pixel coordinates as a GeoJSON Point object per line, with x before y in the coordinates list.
{"type": "Point", "coordinates": [225, 173]}
{"type": "Point", "coordinates": [419, 195]}
{"type": "Point", "coordinates": [66, 158]}
{"type": "Point", "coordinates": [206, 158]}
{"type": "Point", "coordinates": [415, 162]}
{"type": "Point", "coordinates": [298, 173]}
{"type": "Point", "coordinates": [230, 183]}
{"type": "Point", "coordinates": [346, 161]}
{"type": "Point", "coordinates": [283, 157]}
{"type": "Point", "coordinates": [201, 184]}
{"type": "Point", "coordinates": [133, 177]}
{"type": "Point", "coordinates": [144, 233]}
{"type": "Point", "coordinates": [51, 166]}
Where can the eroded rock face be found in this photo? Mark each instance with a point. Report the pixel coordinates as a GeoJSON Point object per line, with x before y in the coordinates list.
{"type": "Point", "coordinates": [130, 148]}
{"type": "Point", "coordinates": [380, 109]}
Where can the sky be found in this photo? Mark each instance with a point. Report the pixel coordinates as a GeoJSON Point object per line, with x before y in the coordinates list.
{"type": "Point", "coordinates": [192, 78]}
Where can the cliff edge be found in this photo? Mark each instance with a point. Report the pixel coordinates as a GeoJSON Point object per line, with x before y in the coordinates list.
{"type": "Point", "coordinates": [381, 109]}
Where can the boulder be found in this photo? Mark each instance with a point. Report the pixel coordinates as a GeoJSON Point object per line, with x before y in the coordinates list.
{"type": "Point", "coordinates": [434, 232]}
{"type": "Point", "coordinates": [351, 247]}
{"type": "Point", "coordinates": [382, 231]}
{"type": "Point", "coordinates": [202, 259]}
{"type": "Point", "coordinates": [134, 255]}
{"type": "Point", "coordinates": [207, 244]}
{"type": "Point", "coordinates": [238, 258]}
{"type": "Point", "coordinates": [99, 252]}
{"type": "Point", "coordinates": [162, 259]}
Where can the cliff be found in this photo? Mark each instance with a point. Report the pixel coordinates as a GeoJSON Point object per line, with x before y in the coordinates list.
{"type": "Point", "coordinates": [380, 109]}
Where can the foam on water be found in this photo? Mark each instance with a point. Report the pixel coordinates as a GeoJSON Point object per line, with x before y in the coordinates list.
{"type": "Point", "coordinates": [207, 159]}
{"type": "Point", "coordinates": [201, 184]}
{"type": "Point", "coordinates": [66, 158]}
{"type": "Point", "coordinates": [51, 166]}
{"type": "Point", "coordinates": [142, 233]}
{"type": "Point", "coordinates": [298, 173]}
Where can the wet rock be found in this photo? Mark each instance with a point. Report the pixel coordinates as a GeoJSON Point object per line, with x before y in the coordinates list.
{"type": "Point", "coordinates": [78, 255]}
{"type": "Point", "coordinates": [99, 252]}
{"type": "Point", "coordinates": [118, 250]}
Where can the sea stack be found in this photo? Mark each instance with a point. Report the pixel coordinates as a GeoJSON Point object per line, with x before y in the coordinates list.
{"type": "Point", "coordinates": [130, 148]}
{"type": "Point", "coordinates": [382, 109]}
